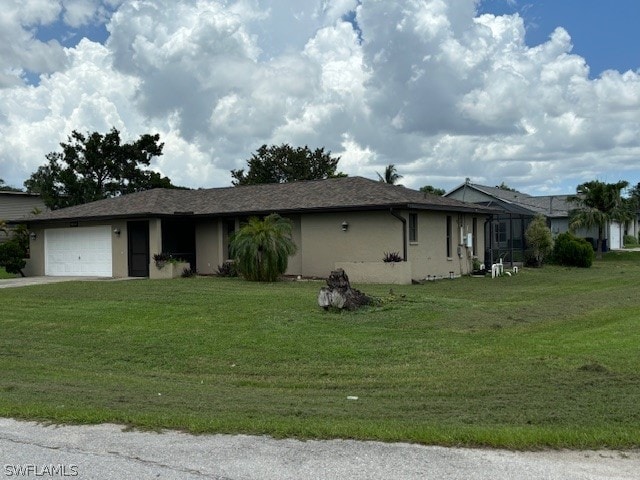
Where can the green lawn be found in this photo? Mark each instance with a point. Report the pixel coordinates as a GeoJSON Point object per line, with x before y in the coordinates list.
{"type": "Point", "coordinates": [547, 358]}
{"type": "Point", "coordinates": [4, 274]}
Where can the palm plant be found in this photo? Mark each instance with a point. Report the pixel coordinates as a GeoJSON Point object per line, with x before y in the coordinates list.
{"type": "Point", "coordinates": [261, 248]}
{"type": "Point", "coordinates": [598, 203]}
{"type": "Point", "coordinates": [391, 175]}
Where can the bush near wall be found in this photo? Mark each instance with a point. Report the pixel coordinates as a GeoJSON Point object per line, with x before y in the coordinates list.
{"type": "Point", "coordinates": [572, 251]}
{"type": "Point", "coordinates": [630, 241]}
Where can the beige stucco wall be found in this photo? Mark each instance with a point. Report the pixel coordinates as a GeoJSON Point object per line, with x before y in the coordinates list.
{"type": "Point", "coordinates": [371, 234]}
{"type": "Point", "coordinates": [368, 236]}
{"type": "Point", "coordinates": [209, 247]}
{"type": "Point", "coordinates": [429, 254]}
{"type": "Point", "coordinates": [295, 261]}
{"type": "Point", "coordinates": [377, 272]}
{"type": "Point", "coordinates": [119, 249]}
{"type": "Point", "coordinates": [35, 263]}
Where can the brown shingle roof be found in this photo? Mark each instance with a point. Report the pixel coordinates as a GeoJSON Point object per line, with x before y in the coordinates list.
{"type": "Point", "coordinates": [347, 193]}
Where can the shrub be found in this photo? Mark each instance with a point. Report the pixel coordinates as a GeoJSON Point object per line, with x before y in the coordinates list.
{"type": "Point", "coordinates": [14, 251]}
{"type": "Point", "coordinates": [161, 259]}
{"type": "Point", "coordinates": [572, 251]}
{"type": "Point", "coordinates": [188, 272]}
{"type": "Point", "coordinates": [12, 257]}
{"type": "Point", "coordinates": [539, 238]}
{"type": "Point", "coordinates": [475, 264]}
{"type": "Point", "coordinates": [227, 269]}
{"type": "Point", "coordinates": [392, 257]}
{"type": "Point", "coordinates": [630, 241]}
{"type": "Point", "coordinates": [530, 260]}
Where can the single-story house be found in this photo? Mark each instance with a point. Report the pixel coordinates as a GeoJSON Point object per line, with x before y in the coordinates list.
{"type": "Point", "coordinates": [345, 222]}
{"type": "Point", "coordinates": [504, 235]}
{"type": "Point", "coordinates": [18, 204]}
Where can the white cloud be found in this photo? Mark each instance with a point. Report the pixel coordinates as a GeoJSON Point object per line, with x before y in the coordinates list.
{"type": "Point", "coordinates": [428, 86]}
{"type": "Point", "coordinates": [334, 10]}
{"type": "Point", "coordinates": [80, 12]}
{"type": "Point", "coordinates": [20, 51]}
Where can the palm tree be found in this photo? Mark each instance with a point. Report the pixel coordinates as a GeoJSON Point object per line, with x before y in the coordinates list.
{"type": "Point", "coordinates": [391, 175]}
{"type": "Point", "coordinates": [261, 248]}
{"type": "Point", "coordinates": [598, 203]}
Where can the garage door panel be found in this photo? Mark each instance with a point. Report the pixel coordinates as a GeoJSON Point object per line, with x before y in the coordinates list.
{"type": "Point", "coordinates": [82, 251]}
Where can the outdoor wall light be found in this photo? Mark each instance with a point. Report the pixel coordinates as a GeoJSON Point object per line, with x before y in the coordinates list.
{"type": "Point", "coordinates": [345, 226]}
{"type": "Point", "coordinates": [33, 236]}
{"type": "Point", "coordinates": [116, 231]}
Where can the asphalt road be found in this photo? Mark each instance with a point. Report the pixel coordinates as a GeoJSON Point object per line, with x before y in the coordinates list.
{"type": "Point", "coordinates": [31, 450]}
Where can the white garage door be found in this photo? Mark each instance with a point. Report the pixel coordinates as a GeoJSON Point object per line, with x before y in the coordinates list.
{"type": "Point", "coordinates": [82, 251]}
{"type": "Point", "coordinates": [615, 236]}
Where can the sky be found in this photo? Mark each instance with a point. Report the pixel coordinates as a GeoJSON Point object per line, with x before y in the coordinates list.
{"type": "Point", "coordinates": [541, 95]}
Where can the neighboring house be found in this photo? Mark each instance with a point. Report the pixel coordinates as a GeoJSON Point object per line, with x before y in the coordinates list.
{"type": "Point", "coordinates": [349, 222]}
{"type": "Point", "coordinates": [18, 204]}
{"type": "Point", "coordinates": [505, 234]}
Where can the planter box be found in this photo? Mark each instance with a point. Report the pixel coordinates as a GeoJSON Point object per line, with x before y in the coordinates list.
{"type": "Point", "coordinates": [169, 270]}
{"type": "Point", "coordinates": [398, 273]}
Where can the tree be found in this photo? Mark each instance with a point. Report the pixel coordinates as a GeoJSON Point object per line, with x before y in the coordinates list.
{"type": "Point", "coordinates": [433, 190]}
{"type": "Point", "coordinates": [539, 238]}
{"type": "Point", "coordinates": [632, 202]}
{"type": "Point", "coordinates": [597, 204]}
{"type": "Point", "coordinates": [261, 248]}
{"type": "Point", "coordinates": [634, 195]}
{"type": "Point", "coordinates": [96, 166]}
{"type": "Point", "coordinates": [283, 163]}
{"type": "Point", "coordinates": [504, 186]}
{"type": "Point", "coordinates": [391, 175]}
{"type": "Point", "coordinates": [6, 188]}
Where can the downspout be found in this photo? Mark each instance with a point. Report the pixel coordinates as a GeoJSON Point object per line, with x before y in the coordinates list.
{"type": "Point", "coordinates": [488, 239]}
{"type": "Point", "coordinates": [404, 233]}
{"type": "Point", "coordinates": [511, 237]}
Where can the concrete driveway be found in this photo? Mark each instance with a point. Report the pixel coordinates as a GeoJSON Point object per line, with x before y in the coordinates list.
{"type": "Point", "coordinates": [26, 281]}
{"type": "Point", "coordinates": [107, 451]}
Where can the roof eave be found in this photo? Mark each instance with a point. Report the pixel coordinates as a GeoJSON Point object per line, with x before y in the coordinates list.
{"type": "Point", "coordinates": [285, 211]}
{"type": "Point", "coordinates": [91, 218]}
{"type": "Point", "coordinates": [455, 208]}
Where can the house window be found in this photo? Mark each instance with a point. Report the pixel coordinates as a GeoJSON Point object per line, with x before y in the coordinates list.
{"type": "Point", "coordinates": [449, 235]}
{"type": "Point", "coordinates": [413, 227]}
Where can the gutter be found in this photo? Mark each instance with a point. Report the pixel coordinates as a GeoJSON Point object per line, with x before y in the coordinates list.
{"type": "Point", "coordinates": [404, 233]}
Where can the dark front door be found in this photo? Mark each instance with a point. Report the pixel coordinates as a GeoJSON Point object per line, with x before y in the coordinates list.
{"type": "Point", "coordinates": [138, 233]}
